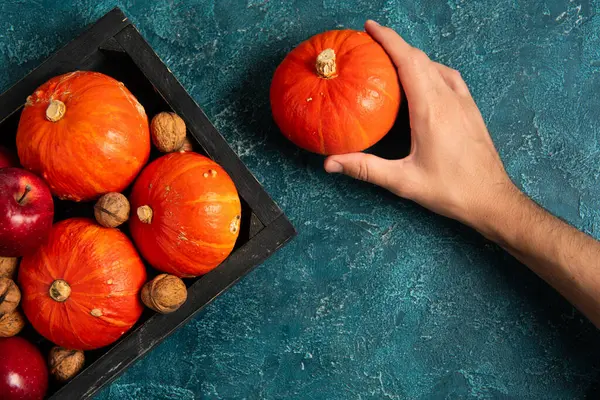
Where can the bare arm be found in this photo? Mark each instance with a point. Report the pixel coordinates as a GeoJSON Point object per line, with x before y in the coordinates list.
{"type": "Point", "coordinates": [454, 169]}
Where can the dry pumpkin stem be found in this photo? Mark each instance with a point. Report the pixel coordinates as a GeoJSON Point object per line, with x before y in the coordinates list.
{"type": "Point", "coordinates": [164, 294]}
{"type": "Point", "coordinates": [145, 214]}
{"type": "Point", "coordinates": [8, 267]}
{"type": "Point", "coordinates": [64, 364]}
{"type": "Point", "coordinates": [325, 64]}
{"type": "Point", "coordinates": [56, 110]}
{"type": "Point", "coordinates": [11, 323]}
{"type": "Point", "coordinates": [10, 295]}
{"type": "Point", "coordinates": [111, 210]}
{"type": "Point", "coordinates": [168, 132]}
{"type": "Point", "coordinates": [59, 290]}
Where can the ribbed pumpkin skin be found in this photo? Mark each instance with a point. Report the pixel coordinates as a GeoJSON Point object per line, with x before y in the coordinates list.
{"type": "Point", "coordinates": [343, 114]}
{"type": "Point", "coordinates": [196, 214]}
{"type": "Point", "coordinates": [105, 273]}
{"type": "Point", "coordinates": [98, 146]}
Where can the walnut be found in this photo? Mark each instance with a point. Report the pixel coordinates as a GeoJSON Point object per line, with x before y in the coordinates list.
{"type": "Point", "coordinates": [10, 295]}
{"type": "Point", "coordinates": [65, 364]}
{"type": "Point", "coordinates": [187, 145]}
{"type": "Point", "coordinates": [11, 323]}
{"type": "Point", "coordinates": [8, 267]}
{"type": "Point", "coordinates": [164, 294]}
{"type": "Point", "coordinates": [111, 210]}
{"type": "Point", "coordinates": [168, 132]}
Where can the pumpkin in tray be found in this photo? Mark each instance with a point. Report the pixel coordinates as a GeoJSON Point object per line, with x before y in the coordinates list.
{"type": "Point", "coordinates": [81, 290]}
{"type": "Point", "coordinates": [337, 92]}
{"type": "Point", "coordinates": [85, 133]}
{"type": "Point", "coordinates": [186, 214]}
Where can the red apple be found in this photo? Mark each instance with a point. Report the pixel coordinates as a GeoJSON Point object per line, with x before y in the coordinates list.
{"type": "Point", "coordinates": [26, 212]}
{"type": "Point", "coordinates": [8, 158]}
{"type": "Point", "coordinates": [23, 371]}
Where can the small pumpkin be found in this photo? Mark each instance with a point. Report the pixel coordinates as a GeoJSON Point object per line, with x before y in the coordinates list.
{"type": "Point", "coordinates": [336, 93]}
{"type": "Point", "coordinates": [185, 214]}
{"type": "Point", "coordinates": [85, 133]}
{"type": "Point", "coordinates": [81, 289]}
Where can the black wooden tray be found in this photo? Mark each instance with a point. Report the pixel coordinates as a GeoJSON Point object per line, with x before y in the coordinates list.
{"type": "Point", "coordinates": [115, 47]}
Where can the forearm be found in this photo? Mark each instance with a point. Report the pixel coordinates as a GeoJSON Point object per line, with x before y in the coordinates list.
{"type": "Point", "coordinates": [567, 259]}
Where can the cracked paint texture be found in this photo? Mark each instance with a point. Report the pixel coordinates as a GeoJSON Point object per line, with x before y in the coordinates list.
{"type": "Point", "coordinates": [376, 297]}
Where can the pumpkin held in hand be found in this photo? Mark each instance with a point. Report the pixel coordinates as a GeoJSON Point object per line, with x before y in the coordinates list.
{"type": "Point", "coordinates": [185, 214]}
{"type": "Point", "coordinates": [85, 133]}
{"type": "Point", "coordinates": [81, 289]}
{"type": "Point", "coordinates": [336, 93]}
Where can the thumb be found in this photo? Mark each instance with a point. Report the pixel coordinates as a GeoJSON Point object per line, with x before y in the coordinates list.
{"type": "Point", "coordinates": [366, 167]}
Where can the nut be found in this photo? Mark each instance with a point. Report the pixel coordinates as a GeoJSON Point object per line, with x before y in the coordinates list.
{"type": "Point", "coordinates": [186, 146]}
{"type": "Point", "coordinates": [111, 210]}
{"type": "Point", "coordinates": [168, 132]}
{"type": "Point", "coordinates": [8, 267]}
{"type": "Point", "coordinates": [10, 295]}
{"type": "Point", "coordinates": [65, 364]}
{"type": "Point", "coordinates": [11, 323]}
{"type": "Point", "coordinates": [164, 294]}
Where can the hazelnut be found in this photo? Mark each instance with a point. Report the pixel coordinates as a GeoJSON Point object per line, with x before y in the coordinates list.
{"type": "Point", "coordinates": [168, 132]}
{"type": "Point", "coordinates": [10, 295]}
{"type": "Point", "coordinates": [164, 294]}
{"type": "Point", "coordinates": [65, 364]}
{"type": "Point", "coordinates": [8, 267]}
{"type": "Point", "coordinates": [11, 323]}
{"type": "Point", "coordinates": [111, 210]}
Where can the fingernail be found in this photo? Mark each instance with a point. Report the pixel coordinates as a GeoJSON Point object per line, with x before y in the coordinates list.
{"type": "Point", "coordinates": [334, 167]}
{"type": "Point", "coordinates": [373, 22]}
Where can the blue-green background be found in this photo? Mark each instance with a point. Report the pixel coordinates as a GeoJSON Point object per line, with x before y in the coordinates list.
{"type": "Point", "coordinates": [376, 297]}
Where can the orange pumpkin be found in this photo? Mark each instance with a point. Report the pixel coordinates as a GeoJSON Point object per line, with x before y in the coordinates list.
{"type": "Point", "coordinates": [81, 289]}
{"type": "Point", "coordinates": [187, 214]}
{"type": "Point", "coordinates": [85, 133]}
{"type": "Point", "coordinates": [336, 93]}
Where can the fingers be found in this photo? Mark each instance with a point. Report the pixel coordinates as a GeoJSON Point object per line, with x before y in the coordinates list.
{"type": "Point", "coordinates": [365, 167]}
{"type": "Point", "coordinates": [415, 69]}
{"type": "Point", "coordinates": [369, 168]}
{"type": "Point", "coordinates": [453, 79]}
{"type": "Point", "coordinates": [418, 76]}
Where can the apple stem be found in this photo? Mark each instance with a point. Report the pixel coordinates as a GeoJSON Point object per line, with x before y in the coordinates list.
{"type": "Point", "coordinates": [21, 200]}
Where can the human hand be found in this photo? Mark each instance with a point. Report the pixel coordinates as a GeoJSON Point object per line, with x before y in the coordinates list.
{"type": "Point", "coordinates": [453, 167]}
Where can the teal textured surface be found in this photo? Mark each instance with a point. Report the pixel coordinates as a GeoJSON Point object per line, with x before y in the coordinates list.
{"type": "Point", "coordinates": [376, 297]}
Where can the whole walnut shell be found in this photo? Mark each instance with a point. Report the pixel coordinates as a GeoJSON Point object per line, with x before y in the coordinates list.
{"type": "Point", "coordinates": [11, 323]}
{"type": "Point", "coordinates": [10, 295]}
{"type": "Point", "coordinates": [111, 210]}
{"type": "Point", "coordinates": [65, 364]}
{"type": "Point", "coordinates": [164, 294]}
{"type": "Point", "coordinates": [168, 132]}
{"type": "Point", "coordinates": [8, 267]}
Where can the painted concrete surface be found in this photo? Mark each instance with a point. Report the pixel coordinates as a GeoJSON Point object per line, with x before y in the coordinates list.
{"type": "Point", "coordinates": [376, 297]}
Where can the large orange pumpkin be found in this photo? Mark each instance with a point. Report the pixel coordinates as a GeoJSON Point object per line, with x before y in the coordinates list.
{"type": "Point", "coordinates": [85, 133]}
{"type": "Point", "coordinates": [336, 93]}
{"type": "Point", "coordinates": [186, 214]}
{"type": "Point", "coordinates": [81, 289]}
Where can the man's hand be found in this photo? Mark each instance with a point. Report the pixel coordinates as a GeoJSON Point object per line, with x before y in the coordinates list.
{"type": "Point", "coordinates": [453, 168]}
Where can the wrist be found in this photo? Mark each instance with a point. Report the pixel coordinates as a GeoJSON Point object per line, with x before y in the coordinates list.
{"type": "Point", "coordinates": [499, 215]}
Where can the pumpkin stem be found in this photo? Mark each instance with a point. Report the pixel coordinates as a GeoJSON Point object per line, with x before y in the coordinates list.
{"type": "Point", "coordinates": [326, 67]}
{"type": "Point", "coordinates": [56, 110]}
{"type": "Point", "coordinates": [60, 290]}
{"type": "Point", "coordinates": [145, 213]}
